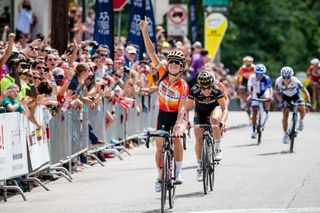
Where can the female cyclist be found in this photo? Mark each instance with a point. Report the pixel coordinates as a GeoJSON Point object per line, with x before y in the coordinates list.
{"type": "Point", "coordinates": [173, 93]}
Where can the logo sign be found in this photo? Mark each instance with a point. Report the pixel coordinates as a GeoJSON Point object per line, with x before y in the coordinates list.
{"type": "Point", "coordinates": [178, 20]}
{"type": "Point", "coordinates": [215, 26]}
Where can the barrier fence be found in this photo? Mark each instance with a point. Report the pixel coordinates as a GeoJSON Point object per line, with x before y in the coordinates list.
{"type": "Point", "coordinates": [26, 150]}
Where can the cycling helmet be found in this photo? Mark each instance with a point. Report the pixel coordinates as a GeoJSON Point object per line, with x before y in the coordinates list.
{"type": "Point", "coordinates": [260, 69]}
{"type": "Point", "coordinates": [248, 60]}
{"type": "Point", "coordinates": [205, 79]}
{"type": "Point", "coordinates": [286, 72]}
{"type": "Point", "coordinates": [314, 61]}
{"type": "Point", "coordinates": [177, 56]}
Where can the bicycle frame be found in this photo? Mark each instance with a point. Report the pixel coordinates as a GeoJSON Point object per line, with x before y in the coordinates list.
{"type": "Point", "coordinates": [260, 122]}
{"type": "Point", "coordinates": [293, 129]}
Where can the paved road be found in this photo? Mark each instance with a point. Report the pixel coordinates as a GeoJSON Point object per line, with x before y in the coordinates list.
{"type": "Point", "coordinates": [250, 178]}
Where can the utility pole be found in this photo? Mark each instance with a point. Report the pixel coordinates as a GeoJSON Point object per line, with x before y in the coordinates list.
{"type": "Point", "coordinates": [59, 25]}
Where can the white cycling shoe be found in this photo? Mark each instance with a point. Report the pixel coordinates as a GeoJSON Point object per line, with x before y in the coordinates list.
{"type": "Point", "coordinates": [158, 185]}
{"type": "Point", "coordinates": [179, 179]}
{"type": "Point", "coordinates": [254, 135]}
{"type": "Point", "coordinates": [218, 155]}
{"type": "Point", "coordinates": [285, 138]}
{"type": "Point", "coordinates": [199, 175]}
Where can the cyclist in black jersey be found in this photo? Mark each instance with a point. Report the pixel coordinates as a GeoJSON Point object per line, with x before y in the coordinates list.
{"type": "Point", "coordinates": [210, 107]}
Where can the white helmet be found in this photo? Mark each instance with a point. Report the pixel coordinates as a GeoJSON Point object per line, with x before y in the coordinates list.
{"type": "Point", "coordinates": [247, 60]}
{"type": "Point", "coordinates": [260, 69]}
{"type": "Point", "coordinates": [286, 72]}
{"type": "Point", "coordinates": [314, 61]}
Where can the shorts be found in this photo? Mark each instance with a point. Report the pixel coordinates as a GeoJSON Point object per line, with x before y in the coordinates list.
{"type": "Point", "coordinates": [203, 116]}
{"type": "Point", "coordinates": [166, 120]}
{"type": "Point", "coordinates": [286, 100]}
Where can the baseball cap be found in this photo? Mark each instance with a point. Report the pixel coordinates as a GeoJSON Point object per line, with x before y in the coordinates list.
{"type": "Point", "coordinates": [131, 49]}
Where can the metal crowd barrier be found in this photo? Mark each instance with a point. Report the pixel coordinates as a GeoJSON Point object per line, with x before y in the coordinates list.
{"type": "Point", "coordinates": [26, 150]}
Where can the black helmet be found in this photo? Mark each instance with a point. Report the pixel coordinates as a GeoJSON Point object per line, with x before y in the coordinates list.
{"type": "Point", "coordinates": [205, 79]}
{"type": "Point", "coordinates": [177, 56]}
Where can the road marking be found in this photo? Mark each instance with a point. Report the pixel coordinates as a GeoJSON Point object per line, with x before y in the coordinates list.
{"type": "Point", "coordinates": [290, 210]}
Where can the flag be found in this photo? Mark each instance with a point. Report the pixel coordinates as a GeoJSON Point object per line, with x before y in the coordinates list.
{"type": "Point", "coordinates": [150, 18]}
{"type": "Point", "coordinates": [193, 21]}
{"type": "Point", "coordinates": [137, 13]}
{"type": "Point", "coordinates": [103, 27]}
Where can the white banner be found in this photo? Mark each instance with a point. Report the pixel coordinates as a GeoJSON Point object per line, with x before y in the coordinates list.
{"type": "Point", "coordinates": [13, 151]}
{"type": "Point", "coordinates": [38, 140]}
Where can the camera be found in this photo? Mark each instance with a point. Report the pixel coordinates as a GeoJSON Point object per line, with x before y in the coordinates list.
{"type": "Point", "coordinates": [46, 69]}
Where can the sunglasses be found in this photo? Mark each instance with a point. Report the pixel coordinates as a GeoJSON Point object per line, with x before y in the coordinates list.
{"type": "Point", "coordinates": [39, 68]}
{"type": "Point", "coordinates": [205, 88]}
{"type": "Point", "coordinates": [36, 78]}
{"type": "Point", "coordinates": [34, 49]}
{"type": "Point", "coordinates": [103, 55]}
{"type": "Point", "coordinates": [85, 50]}
{"type": "Point", "coordinates": [175, 62]}
{"type": "Point", "coordinates": [286, 77]}
{"type": "Point", "coordinates": [52, 59]}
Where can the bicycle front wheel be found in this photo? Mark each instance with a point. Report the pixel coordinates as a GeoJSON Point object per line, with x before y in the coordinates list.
{"type": "Point", "coordinates": [211, 164]}
{"type": "Point", "coordinates": [172, 187]}
{"type": "Point", "coordinates": [259, 128]}
{"type": "Point", "coordinates": [205, 167]}
{"type": "Point", "coordinates": [165, 170]}
{"type": "Point", "coordinates": [292, 133]}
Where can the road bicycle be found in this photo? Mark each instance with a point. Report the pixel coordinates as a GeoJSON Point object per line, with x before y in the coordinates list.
{"type": "Point", "coordinates": [261, 120]}
{"type": "Point", "coordinates": [207, 157]}
{"type": "Point", "coordinates": [168, 185]}
{"type": "Point", "coordinates": [293, 132]}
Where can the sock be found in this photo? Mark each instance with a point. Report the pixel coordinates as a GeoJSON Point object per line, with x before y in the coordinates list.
{"type": "Point", "coordinates": [178, 167]}
{"type": "Point", "coordinates": [199, 163]}
{"type": "Point", "coordinates": [217, 144]}
{"type": "Point", "coordinates": [254, 128]}
{"type": "Point", "coordinates": [158, 171]}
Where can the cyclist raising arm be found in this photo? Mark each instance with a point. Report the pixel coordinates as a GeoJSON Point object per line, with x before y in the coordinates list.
{"type": "Point", "coordinates": [289, 87]}
{"type": "Point", "coordinates": [210, 108]}
{"type": "Point", "coordinates": [173, 92]}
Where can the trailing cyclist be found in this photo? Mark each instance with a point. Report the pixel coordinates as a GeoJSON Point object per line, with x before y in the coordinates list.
{"type": "Point", "coordinates": [210, 108]}
{"type": "Point", "coordinates": [243, 75]}
{"type": "Point", "coordinates": [288, 89]}
{"type": "Point", "coordinates": [260, 87]}
{"type": "Point", "coordinates": [314, 74]}
{"type": "Point", "coordinates": [173, 94]}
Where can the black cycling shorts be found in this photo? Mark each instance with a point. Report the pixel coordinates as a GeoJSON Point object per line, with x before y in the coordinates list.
{"type": "Point", "coordinates": [166, 120]}
{"type": "Point", "coordinates": [203, 116]}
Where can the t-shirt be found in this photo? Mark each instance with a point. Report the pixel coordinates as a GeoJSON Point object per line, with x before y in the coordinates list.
{"type": "Point", "coordinates": [170, 95]}
{"type": "Point", "coordinates": [8, 100]}
{"type": "Point", "coordinates": [75, 86]}
{"type": "Point", "coordinates": [244, 74]}
{"type": "Point", "coordinates": [202, 102]}
{"type": "Point", "coordinates": [314, 71]}
{"type": "Point", "coordinates": [6, 81]}
{"type": "Point", "coordinates": [259, 87]}
{"type": "Point", "coordinates": [291, 89]}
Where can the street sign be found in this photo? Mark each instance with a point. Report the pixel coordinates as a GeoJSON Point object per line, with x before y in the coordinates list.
{"type": "Point", "coordinates": [216, 3]}
{"type": "Point", "coordinates": [178, 20]}
{"type": "Point", "coordinates": [119, 4]}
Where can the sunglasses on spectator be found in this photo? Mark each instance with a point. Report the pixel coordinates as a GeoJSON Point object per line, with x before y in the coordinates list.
{"type": "Point", "coordinates": [175, 62]}
{"type": "Point", "coordinates": [85, 50]}
{"type": "Point", "coordinates": [59, 77]}
{"type": "Point", "coordinates": [40, 68]}
{"type": "Point", "coordinates": [36, 78]}
{"type": "Point", "coordinates": [52, 59]}
{"type": "Point", "coordinates": [103, 55]}
{"type": "Point", "coordinates": [34, 48]}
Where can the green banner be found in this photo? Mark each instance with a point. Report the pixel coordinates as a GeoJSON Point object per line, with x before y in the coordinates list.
{"type": "Point", "coordinates": [216, 3]}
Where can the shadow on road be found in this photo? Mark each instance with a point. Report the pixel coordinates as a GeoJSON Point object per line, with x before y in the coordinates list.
{"type": "Point", "coordinates": [245, 145]}
{"type": "Point", "coordinates": [193, 194]}
{"type": "Point", "coordinates": [275, 153]}
{"type": "Point", "coordinates": [189, 167]}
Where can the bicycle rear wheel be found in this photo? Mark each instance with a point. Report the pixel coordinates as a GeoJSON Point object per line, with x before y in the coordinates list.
{"type": "Point", "coordinates": [205, 173]}
{"type": "Point", "coordinates": [165, 170]}
{"type": "Point", "coordinates": [211, 165]}
{"type": "Point", "coordinates": [292, 133]}
{"type": "Point", "coordinates": [172, 187]}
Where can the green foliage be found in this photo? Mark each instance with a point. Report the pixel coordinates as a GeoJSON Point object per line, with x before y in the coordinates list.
{"type": "Point", "coordinates": [274, 32]}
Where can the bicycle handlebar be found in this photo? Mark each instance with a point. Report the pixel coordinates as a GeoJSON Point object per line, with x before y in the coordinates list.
{"type": "Point", "coordinates": [164, 134]}
{"type": "Point", "coordinates": [260, 99]}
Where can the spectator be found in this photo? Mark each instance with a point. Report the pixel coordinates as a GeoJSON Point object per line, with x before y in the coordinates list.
{"type": "Point", "coordinates": [130, 56]}
{"type": "Point", "coordinates": [25, 19]}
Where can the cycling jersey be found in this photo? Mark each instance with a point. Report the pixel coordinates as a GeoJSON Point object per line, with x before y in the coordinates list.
{"type": "Point", "coordinates": [202, 102]}
{"type": "Point", "coordinates": [244, 74]}
{"type": "Point", "coordinates": [291, 89]}
{"type": "Point", "coordinates": [170, 95]}
{"type": "Point", "coordinates": [259, 87]}
{"type": "Point", "coordinates": [314, 72]}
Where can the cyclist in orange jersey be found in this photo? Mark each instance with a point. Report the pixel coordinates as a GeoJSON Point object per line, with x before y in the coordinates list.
{"type": "Point", "coordinates": [173, 93]}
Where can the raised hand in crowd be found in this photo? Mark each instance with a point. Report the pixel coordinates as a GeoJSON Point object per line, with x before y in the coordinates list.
{"type": "Point", "coordinates": [8, 51]}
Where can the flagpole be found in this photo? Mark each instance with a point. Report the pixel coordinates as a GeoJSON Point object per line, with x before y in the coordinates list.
{"type": "Point", "coordinates": [119, 28]}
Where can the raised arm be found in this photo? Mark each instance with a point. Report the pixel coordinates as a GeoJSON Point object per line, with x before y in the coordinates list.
{"type": "Point", "coordinates": [148, 43]}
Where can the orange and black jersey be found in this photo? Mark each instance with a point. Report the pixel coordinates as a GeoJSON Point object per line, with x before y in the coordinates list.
{"type": "Point", "coordinates": [203, 102]}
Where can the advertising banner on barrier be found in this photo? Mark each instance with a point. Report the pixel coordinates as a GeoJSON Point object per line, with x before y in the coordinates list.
{"type": "Point", "coordinates": [215, 26]}
{"type": "Point", "coordinates": [38, 141]}
{"type": "Point", "coordinates": [13, 151]}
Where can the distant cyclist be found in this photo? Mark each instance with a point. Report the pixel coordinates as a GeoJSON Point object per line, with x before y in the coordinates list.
{"type": "Point", "coordinates": [259, 86]}
{"type": "Point", "coordinates": [210, 108]}
{"type": "Point", "coordinates": [288, 89]}
{"type": "Point", "coordinates": [314, 74]}
{"type": "Point", "coordinates": [243, 75]}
